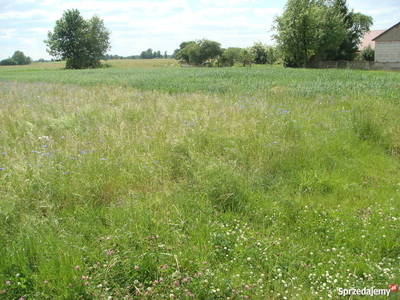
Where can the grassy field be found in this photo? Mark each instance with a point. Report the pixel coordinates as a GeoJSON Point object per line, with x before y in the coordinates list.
{"type": "Point", "coordinates": [157, 182]}
{"type": "Point", "coordinates": [114, 63]}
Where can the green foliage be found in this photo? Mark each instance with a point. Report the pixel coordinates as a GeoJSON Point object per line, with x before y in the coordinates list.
{"type": "Point", "coordinates": [297, 32]}
{"type": "Point", "coordinates": [272, 55]}
{"type": "Point", "coordinates": [193, 53]}
{"type": "Point", "coordinates": [81, 43]}
{"type": "Point", "coordinates": [149, 54]}
{"type": "Point", "coordinates": [260, 53]}
{"type": "Point", "coordinates": [230, 56]}
{"type": "Point", "coordinates": [18, 58]}
{"type": "Point", "coordinates": [175, 54]}
{"type": "Point", "coordinates": [21, 59]}
{"type": "Point", "coordinates": [368, 54]}
{"type": "Point", "coordinates": [199, 52]}
{"type": "Point", "coordinates": [246, 56]}
{"type": "Point", "coordinates": [318, 30]}
{"type": "Point", "coordinates": [356, 25]}
{"type": "Point", "coordinates": [182, 52]}
{"type": "Point", "coordinates": [8, 62]}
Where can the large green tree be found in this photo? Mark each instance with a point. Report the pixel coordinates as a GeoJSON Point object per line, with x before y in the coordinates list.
{"type": "Point", "coordinates": [356, 25]}
{"type": "Point", "coordinates": [80, 42]}
{"type": "Point", "coordinates": [308, 29]}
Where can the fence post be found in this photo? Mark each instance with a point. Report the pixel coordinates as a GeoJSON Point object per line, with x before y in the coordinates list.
{"type": "Point", "coordinates": [386, 66]}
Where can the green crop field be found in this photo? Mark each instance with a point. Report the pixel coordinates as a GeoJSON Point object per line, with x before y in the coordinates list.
{"type": "Point", "coordinates": [145, 180]}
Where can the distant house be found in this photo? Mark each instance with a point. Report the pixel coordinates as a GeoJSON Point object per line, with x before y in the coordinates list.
{"type": "Point", "coordinates": [367, 39]}
{"type": "Point", "coordinates": [387, 45]}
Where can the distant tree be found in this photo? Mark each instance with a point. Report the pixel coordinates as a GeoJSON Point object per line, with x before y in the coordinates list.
{"type": "Point", "coordinates": [368, 54]}
{"type": "Point", "coordinates": [230, 56]}
{"type": "Point", "coordinates": [194, 53]}
{"type": "Point", "coordinates": [8, 62]}
{"type": "Point", "coordinates": [246, 56]}
{"type": "Point", "coordinates": [260, 53]}
{"type": "Point", "coordinates": [271, 55]}
{"type": "Point", "coordinates": [199, 51]}
{"type": "Point", "coordinates": [308, 28]}
{"type": "Point", "coordinates": [165, 54]}
{"type": "Point", "coordinates": [296, 33]}
{"type": "Point", "coordinates": [183, 51]}
{"type": "Point", "coordinates": [98, 40]}
{"type": "Point", "coordinates": [148, 54]}
{"type": "Point", "coordinates": [209, 49]}
{"type": "Point", "coordinates": [80, 42]}
{"type": "Point", "coordinates": [175, 54]}
{"type": "Point", "coordinates": [21, 59]}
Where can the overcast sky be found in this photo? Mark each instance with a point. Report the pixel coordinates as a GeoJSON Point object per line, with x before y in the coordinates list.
{"type": "Point", "coordinates": [160, 24]}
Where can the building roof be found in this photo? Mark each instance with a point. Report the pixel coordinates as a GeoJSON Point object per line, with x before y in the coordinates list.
{"type": "Point", "coordinates": [368, 39]}
{"type": "Point", "coordinates": [385, 31]}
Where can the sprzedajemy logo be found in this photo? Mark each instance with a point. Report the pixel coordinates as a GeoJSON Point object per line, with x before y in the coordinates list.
{"type": "Point", "coordinates": [368, 291]}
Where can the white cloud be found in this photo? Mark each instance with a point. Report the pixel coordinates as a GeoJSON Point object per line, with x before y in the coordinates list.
{"type": "Point", "coordinates": [7, 33]}
{"type": "Point", "coordinates": [267, 12]}
{"type": "Point", "coordinates": [385, 13]}
{"type": "Point", "coordinates": [218, 12]}
{"type": "Point", "coordinates": [143, 8]}
{"type": "Point", "coordinates": [38, 30]}
{"type": "Point", "coordinates": [228, 2]}
{"type": "Point", "coordinates": [32, 14]}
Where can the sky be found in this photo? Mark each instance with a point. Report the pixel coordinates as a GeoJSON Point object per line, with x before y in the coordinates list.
{"type": "Point", "coordinates": [161, 24]}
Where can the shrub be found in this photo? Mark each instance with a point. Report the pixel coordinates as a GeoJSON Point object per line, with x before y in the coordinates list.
{"type": "Point", "coordinates": [20, 58]}
{"type": "Point", "coordinates": [8, 62]}
{"type": "Point", "coordinates": [368, 54]}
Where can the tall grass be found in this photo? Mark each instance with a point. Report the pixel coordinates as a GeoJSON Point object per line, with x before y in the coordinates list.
{"type": "Point", "coordinates": [197, 183]}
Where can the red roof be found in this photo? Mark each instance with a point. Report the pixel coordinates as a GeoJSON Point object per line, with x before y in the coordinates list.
{"type": "Point", "coordinates": [368, 39]}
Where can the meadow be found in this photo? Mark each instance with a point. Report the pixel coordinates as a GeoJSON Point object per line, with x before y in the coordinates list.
{"type": "Point", "coordinates": [149, 181]}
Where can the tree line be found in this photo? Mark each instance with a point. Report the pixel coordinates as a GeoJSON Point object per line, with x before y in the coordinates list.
{"type": "Point", "coordinates": [18, 58]}
{"type": "Point", "coordinates": [210, 53]}
{"type": "Point", "coordinates": [308, 30]}
{"type": "Point", "coordinates": [149, 53]}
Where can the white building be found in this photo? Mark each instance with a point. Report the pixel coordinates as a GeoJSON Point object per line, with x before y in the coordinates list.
{"type": "Point", "coordinates": [387, 45]}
